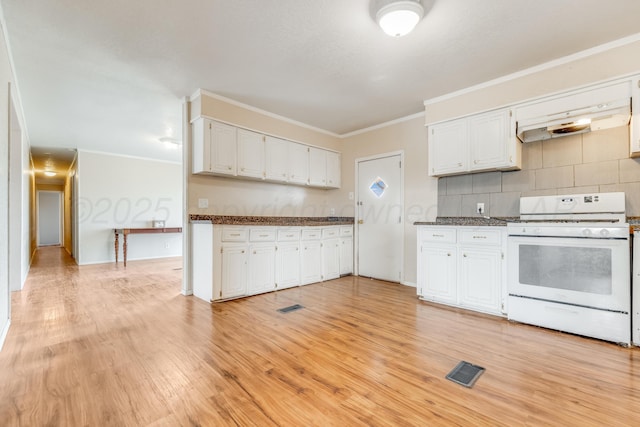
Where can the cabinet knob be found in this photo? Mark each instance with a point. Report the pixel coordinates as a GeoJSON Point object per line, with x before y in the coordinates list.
{"type": "Point", "coordinates": [459, 164]}
{"type": "Point", "coordinates": [464, 255]}
{"type": "Point", "coordinates": [475, 162]}
{"type": "Point", "coordinates": [449, 254]}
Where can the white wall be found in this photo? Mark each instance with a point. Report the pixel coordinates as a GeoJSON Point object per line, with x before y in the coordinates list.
{"type": "Point", "coordinates": [125, 192]}
{"type": "Point", "coordinates": [7, 81]}
{"type": "Point", "coordinates": [19, 184]}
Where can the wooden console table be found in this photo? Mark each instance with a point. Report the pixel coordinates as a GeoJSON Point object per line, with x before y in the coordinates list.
{"type": "Point", "coordinates": [146, 230]}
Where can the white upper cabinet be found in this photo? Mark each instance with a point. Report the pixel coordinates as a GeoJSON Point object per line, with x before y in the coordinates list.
{"type": "Point", "coordinates": [324, 168]}
{"type": "Point", "coordinates": [250, 154]}
{"type": "Point", "coordinates": [492, 140]}
{"type": "Point", "coordinates": [214, 147]}
{"type": "Point", "coordinates": [317, 167]}
{"type": "Point", "coordinates": [276, 152]}
{"type": "Point", "coordinates": [221, 149]}
{"type": "Point", "coordinates": [333, 169]}
{"type": "Point", "coordinates": [480, 142]}
{"type": "Point", "coordinates": [448, 148]}
{"type": "Point", "coordinates": [298, 163]}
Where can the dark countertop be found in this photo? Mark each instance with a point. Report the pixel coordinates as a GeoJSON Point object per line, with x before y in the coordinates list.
{"type": "Point", "coordinates": [271, 220]}
{"type": "Point", "coordinates": [470, 221]}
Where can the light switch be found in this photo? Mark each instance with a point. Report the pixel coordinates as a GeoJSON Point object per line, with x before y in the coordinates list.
{"type": "Point", "coordinates": [350, 195]}
{"type": "Point", "coordinates": [203, 203]}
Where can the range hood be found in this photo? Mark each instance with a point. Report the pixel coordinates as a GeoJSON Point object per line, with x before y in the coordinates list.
{"type": "Point", "coordinates": [557, 124]}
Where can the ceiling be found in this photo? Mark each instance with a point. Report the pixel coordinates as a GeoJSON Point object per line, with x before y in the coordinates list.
{"type": "Point", "coordinates": [111, 76]}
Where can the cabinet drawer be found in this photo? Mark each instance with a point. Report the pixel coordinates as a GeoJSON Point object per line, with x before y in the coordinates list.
{"type": "Point", "coordinates": [330, 232]}
{"type": "Point", "coordinates": [262, 234]}
{"type": "Point", "coordinates": [346, 230]}
{"type": "Point", "coordinates": [481, 237]}
{"type": "Point", "coordinates": [234, 234]}
{"type": "Point", "coordinates": [438, 234]}
{"type": "Point", "coordinates": [288, 234]}
{"type": "Point", "coordinates": [311, 234]}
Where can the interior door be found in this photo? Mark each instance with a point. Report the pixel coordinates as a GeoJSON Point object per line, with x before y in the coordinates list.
{"type": "Point", "coordinates": [49, 218]}
{"type": "Point", "coordinates": [380, 218]}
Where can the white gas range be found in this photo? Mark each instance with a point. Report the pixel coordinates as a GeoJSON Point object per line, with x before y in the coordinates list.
{"type": "Point", "coordinates": [569, 265]}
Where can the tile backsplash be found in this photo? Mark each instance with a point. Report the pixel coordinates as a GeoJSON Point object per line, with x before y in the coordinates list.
{"type": "Point", "coordinates": [587, 163]}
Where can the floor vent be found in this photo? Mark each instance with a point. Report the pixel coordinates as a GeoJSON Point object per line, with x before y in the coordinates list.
{"type": "Point", "coordinates": [290, 308]}
{"type": "Point", "coordinates": [465, 374]}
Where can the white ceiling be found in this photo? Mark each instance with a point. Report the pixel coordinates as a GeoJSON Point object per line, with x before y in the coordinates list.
{"type": "Point", "coordinates": [111, 75]}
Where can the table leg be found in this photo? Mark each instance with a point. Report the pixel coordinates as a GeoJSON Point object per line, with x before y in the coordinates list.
{"type": "Point", "coordinates": [116, 244]}
{"type": "Point", "coordinates": [124, 250]}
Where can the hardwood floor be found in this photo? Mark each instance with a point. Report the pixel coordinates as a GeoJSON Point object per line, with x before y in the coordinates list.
{"type": "Point", "coordinates": [103, 345]}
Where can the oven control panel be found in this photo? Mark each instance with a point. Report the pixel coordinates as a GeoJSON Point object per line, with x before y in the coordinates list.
{"type": "Point", "coordinates": [568, 230]}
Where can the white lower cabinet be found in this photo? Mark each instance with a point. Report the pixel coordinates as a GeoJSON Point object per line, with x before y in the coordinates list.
{"type": "Point", "coordinates": [437, 281]}
{"type": "Point", "coordinates": [288, 265]}
{"type": "Point", "coordinates": [232, 261]}
{"type": "Point", "coordinates": [330, 253]}
{"type": "Point", "coordinates": [311, 256]}
{"type": "Point", "coordinates": [233, 271]}
{"type": "Point", "coordinates": [346, 250]}
{"type": "Point", "coordinates": [288, 257]}
{"type": "Point", "coordinates": [262, 263]}
{"type": "Point", "coordinates": [463, 266]}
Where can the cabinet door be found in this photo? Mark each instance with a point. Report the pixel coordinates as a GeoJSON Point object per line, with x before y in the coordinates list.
{"type": "Point", "coordinates": [262, 260]}
{"type": "Point", "coordinates": [250, 154]}
{"type": "Point", "coordinates": [287, 265]}
{"type": "Point", "coordinates": [437, 273]}
{"type": "Point", "coordinates": [234, 271]}
{"type": "Point", "coordinates": [298, 163]}
{"type": "Point", "coordinates": [201, 146]}
{"type": "Point", "coordinates": [346, 256]}
{"type": "Point", "coordinates": [276, 159]}
{"type": "Point", "coordinates": [448, 148]}
{"type": "Point", "coordinates": [330, 259]}
{"type": "Point", "coordinates": [317, 167]}
{"type": "Point", "coordinates": [222, 143]}
{"type": "Point", "coordinates": [489, 140]}
{"type": "Point", "coordinates": [480, 279]}
{"type": "Point", "coordinates": [333, 169]}
{"type": "Point", "coordinates": [311, 262]}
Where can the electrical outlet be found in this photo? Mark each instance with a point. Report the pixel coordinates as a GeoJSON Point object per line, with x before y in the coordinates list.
{"type": "Point", "coordinates": [166, 245]}
{"type": "Point", "coordinates": [350, 195]}
{"type": "Point", "coordinates": [480, 208]}
{"type": "Point", "coordinates": [332, 211]}
{"type": "Point", "coordinates": [203, 203]}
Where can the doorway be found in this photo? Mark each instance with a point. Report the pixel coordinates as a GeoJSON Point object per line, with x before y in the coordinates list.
{"type": "Point", "coordinates": [380, 216]}
{"type": "Point", "coordinates": [49, 218]}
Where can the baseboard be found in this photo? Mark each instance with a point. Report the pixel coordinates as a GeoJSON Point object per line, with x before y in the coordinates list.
{"type": "Point", "coordinates": [410, 284]}
{"type": "Point", "coordinates": [187, 292]}
{"type": "Point", "coordinates": [4, 334]}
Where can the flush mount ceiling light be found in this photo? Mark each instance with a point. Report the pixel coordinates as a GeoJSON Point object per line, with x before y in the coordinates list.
{"type": "Point", "coordinates": [399, 17]}
{"type": "Point", "coordinates": [49, 173]}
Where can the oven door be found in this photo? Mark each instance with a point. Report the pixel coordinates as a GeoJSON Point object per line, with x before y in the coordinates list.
{"type": "Point", "coordinates": [592, 273]}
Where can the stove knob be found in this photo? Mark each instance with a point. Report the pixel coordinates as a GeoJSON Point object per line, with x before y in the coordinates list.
{"type": "Point", "coordinates": [586, 232]}
{"type": "Point", "coordinates": [604, 232]}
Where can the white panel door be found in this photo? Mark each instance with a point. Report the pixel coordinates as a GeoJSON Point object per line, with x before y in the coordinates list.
{"type": "Point", "coordinates": [380, 218]}
{"type": "Point", "coordinates": [311, 262]}
{"type": "Point", "coordinates": [49, 218]}
{"type": "Point", "coordinates": [298, 163]}
{"type": "Point", "coordinates": [287, 265]}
